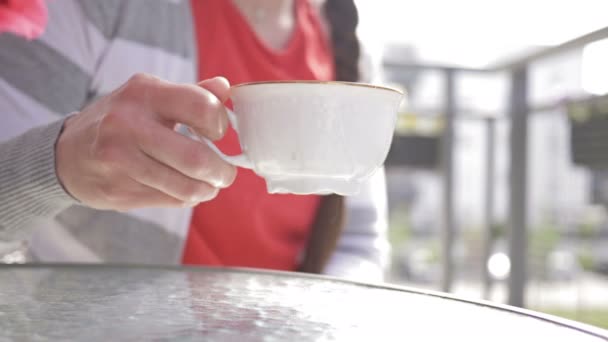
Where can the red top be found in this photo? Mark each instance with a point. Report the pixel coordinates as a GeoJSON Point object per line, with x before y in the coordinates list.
{"type": "Point", "coordinates": [23, 18]}
{"type": "Point", "coordinates": [244, 225]}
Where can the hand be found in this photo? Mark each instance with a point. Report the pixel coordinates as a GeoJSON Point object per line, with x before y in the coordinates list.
{"type": "Point", "coordinates": [122, 152]}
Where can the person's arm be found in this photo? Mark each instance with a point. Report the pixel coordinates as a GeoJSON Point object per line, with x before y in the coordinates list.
{"type": "Point", "coordinates": [120, 152]}
{"type": "Point", "coordinates": [40, 82]}
{"type": "Point", "coordinates": [29, 187]}
{"type": "Point", "coordinates": [363, 248]}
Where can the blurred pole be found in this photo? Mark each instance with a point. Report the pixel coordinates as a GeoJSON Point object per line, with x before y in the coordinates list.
{"type": "Point", "coordinates": [518, 186]}
{"type": "Point", "coordinates": [447, 165]}
{"type": "Point", "coordinates": [488, 240]}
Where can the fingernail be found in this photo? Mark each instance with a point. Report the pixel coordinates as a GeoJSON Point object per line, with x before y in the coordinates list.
{"type": "Point", "coordinates": [190, 204]}
{"type": "Point", "coordinates": [221, 130]}
{"type": "Point", "coordinates": [223, 124]}
{"type": "Point", "coordinates": [223, 79]}
{"type": "Point", "coordinates": [217, 183]}
{"type": "Point", "coordinates": [199, 199]}
{"type": "Point", "coordinates": [220, 182]}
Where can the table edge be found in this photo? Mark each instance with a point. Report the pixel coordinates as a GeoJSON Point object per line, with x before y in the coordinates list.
{"type": "Point", "coordinates": [581, 327]}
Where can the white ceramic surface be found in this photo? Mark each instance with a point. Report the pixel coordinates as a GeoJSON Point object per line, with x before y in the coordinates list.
{"type": "Point", "coordinates": [314, 137]}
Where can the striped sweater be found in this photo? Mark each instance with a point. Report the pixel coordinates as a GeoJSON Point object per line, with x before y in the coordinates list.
{"type": "Point", "coordinates": [90, 48]}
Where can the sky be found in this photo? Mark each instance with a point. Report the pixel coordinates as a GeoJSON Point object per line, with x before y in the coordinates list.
{"type": "Point", "coordinates": [480, 33]}
{"type": "Point", "coordinates": [477, 33]}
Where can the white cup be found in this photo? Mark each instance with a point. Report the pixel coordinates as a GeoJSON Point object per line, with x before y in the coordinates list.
{"type": "Point", "coordinates": [308, 137]}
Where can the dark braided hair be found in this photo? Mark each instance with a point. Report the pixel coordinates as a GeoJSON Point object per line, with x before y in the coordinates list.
{"type": "Point", "coordinates": [343, 18]}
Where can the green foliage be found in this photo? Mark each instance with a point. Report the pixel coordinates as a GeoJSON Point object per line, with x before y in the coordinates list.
{"type": "Point", "coordinates": [585, 259]}
{"type": "Point", "coordinates": [597, 317]}
{"type": "Point", "coordinates": [399, 227]}
{"type": "Point", "coordinates": [587, 230]}
{"type": "Point", "coordinates": [499, 230]}
{"type": "Point", "coordinates": [543, 239]}
{"type": "Point", "coordinates": [435, 255]}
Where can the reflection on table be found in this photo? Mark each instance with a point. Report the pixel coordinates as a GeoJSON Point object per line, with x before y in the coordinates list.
{"type": "Point", "coordinates": [123, 303]}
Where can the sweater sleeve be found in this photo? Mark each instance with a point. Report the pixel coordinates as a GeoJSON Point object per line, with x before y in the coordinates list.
{"type": "Point", "coordinates": [41, 81]}
{"type": "Point", "coordinates": [29, 187]}
{"type": "Point", "coordinates": [363, 249]}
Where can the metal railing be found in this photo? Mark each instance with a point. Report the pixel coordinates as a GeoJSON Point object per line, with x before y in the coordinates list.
{"type": "Point", "coordinates": [518, 114]}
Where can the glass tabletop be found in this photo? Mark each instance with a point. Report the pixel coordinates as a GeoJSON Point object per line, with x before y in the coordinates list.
{"type": "Point", "coordinates": [156, 303]}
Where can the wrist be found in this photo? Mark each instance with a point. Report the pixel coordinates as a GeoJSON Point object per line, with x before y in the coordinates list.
{"type": "Point", "coordinates": [62, 153]}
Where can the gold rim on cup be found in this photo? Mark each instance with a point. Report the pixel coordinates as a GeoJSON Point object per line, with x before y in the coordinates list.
{"type": "Point", "coordinates": [356, 84]}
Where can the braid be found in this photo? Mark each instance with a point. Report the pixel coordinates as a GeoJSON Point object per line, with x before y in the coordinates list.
{"type": "Point", "coordinates": [343, 19]}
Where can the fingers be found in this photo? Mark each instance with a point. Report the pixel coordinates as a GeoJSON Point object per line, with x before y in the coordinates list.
{"type": "Point", "coordinates": [124, 193]}
{"type": "Point", "coordinates": [136, 180]}
{"type": "Point", "coordinates": [190, 158]}
{"type": "Point", "coordinates": [218, 86]}
{"type": "Point", "coordinates": [122, 152]}
{"type": "Point", "coordinates": [168, 181]}
{"type": "Point", "coordinates": [189, 104]}
{"type": "Point", "coordinates": [142, 196]}
{"type": "Point", "coordinates": [136, 195]}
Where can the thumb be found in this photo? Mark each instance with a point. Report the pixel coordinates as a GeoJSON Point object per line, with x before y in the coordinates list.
{"type": "Point", "coordinates": [218, 86]}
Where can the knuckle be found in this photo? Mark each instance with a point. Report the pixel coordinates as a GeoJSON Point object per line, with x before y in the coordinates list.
{"type": "Point", "coordinates": [135, 87]}
{"type": "Point", "coordinates": [109, 122]}
{"type": "Point", "coordinates": [208, 102]}
{"type": "Point", "coordinates": [105, 148]}
{"type": "Point", "coordinates": [106, 154]}
{"type": "Point", "coordinates": [208, 112]}
{"type": "Point", "coordinates": [140, 78]}
{"type": "Point", "coordinates": [110, 193]}
{"type": "Point", "coordinates": [115, 126]}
